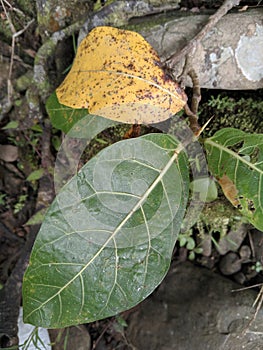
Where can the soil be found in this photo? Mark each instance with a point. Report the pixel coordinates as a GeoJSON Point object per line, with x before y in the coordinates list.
{"type": "Point", "coordinates": [159, 322]}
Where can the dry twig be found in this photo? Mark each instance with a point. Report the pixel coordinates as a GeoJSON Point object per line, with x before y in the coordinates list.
{"type": "Point", "coordinates": [15, 34]}
{"type": "Point", "coordinates": [258, 301]}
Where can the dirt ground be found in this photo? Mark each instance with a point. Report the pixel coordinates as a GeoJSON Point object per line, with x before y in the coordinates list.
{"type": "Point", "coordinates": [28, 146]}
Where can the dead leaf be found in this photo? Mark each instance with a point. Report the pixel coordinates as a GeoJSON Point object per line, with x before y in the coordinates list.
{"type": "Point", "coordinates": [116, 74]}
{"type": "Point", "coordinates": [243, 8]}
{"type": "Point", "coordinates": [229, 189]}
{"type": "Point", "coordinates": [134, 131]}
{"type": "Point", "coordinates": [30, 52]}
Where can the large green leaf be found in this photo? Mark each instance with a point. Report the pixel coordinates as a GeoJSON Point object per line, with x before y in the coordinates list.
{"type": "Point", "coordinates": [106, 242]}
{"type": "Point", "coordinates": [237, 157]}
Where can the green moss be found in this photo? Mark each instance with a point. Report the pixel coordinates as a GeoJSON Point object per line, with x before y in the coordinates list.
{"type": "Point", "coordinates": [219, 216]}
{"type": "Point", "coordinates": [27, 6]}
{"type": "Point", "coordinates": [24, 81]}
{"type": "Point", "coordinates": [215, 222]}
{"type": "Point", "coordinates": [5, 31]}
{"type": "Point", "coordinates": [99, 4]}
{"type": "Point", "coordinates": [241, 113]}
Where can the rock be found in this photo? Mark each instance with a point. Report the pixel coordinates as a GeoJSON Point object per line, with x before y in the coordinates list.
{"type": "Point", "coordinates": [195, 308]}
{"type": "Point", "coordinates": [24, 81]}
{"type": "Point", "coordinates": [245, 253]}
{"type": "Point", "coordinates": [8, 153]}
{"type": "Point", "coordinates": [230, 264]}
{"type": "Point", "coordinates": [229, 57]}
{"type": "Point", "coordinates": [5, 102]}
{"type": "Point", "coordinates": [257, 243]}
{"type": "Point", "coordinates": [10, 182]}
{"type": "Point", "coordinates": [233, 239]}
{"type": "Point", "coordinates": [56, 15]}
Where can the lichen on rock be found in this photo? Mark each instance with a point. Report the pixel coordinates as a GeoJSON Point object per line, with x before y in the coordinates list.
{"type": "Point", "coordinates": [249, 53]}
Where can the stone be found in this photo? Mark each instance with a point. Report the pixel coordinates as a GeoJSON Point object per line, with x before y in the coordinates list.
{"type": "Point", "coordinates": [229, 57]}
{"type": "Point", "coordinates": [55, 15]}
{"type": "Point", "coordinates": [8, 153]}
{"type": "Point", "coordinates": [195, 308]}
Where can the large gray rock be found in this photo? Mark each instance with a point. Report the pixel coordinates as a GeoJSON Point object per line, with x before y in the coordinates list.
{"type": "Point", "coordinates": [195, 309]}
{"type": "Point", "coordinates": [229, 57]}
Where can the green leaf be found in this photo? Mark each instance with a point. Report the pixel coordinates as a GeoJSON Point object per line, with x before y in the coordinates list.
{"type": "Point", "coordinates": [191, 256]}
{"type": "Point", "coordinates": [190, 243]}
{"type": "Point", "coordinates": [78, 122]}
{"type": "Point", "coordinates": [107, 239]}
{"type": "Point", "coordinates": [37, 218]}
{"type": "Point", "coordinates": [121, 321]}
{"type": "Point", "coordinates": [35, 175]}
{"type": "Point", "coordinates": [56, 142]}
{"type": "Point", "coordinates": [37, 128]}
{"type": "Point", "coordinates": [182, 240]}
{"type": "Point", "coordinates": [205, 188]}
{"type": "Point", "coordinates": [63, 117]}
{"type": "Point", "coordinates": [11, 125]}
{"type": "Point", "coordinates": [237, 157]}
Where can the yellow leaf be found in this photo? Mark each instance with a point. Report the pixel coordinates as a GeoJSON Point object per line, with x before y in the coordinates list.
{"type": "Point", "coordinates": [116, 74]}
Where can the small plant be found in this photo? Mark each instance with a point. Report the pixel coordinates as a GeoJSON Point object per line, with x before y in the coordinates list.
{"type": "Point", "coordinates": [2, 198]}
{"type": "Point", "coordinates": [239, 113]}
{"type": "Point", "coordinates": [106, 241]}
{"type": "Point", "coordinates": [20, 203]}
{"type": "Point", "coordinates": [222, 103]}
{"type": "Point", "coordinates": [186, 240]}
{"type": "Point", "coordinates": [257, 267]}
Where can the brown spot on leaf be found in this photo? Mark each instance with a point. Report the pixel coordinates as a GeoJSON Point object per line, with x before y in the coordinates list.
{"type": "Point", "coordinates": [229, 189]}
{"type": "Point", "coordinates": [112, 65]}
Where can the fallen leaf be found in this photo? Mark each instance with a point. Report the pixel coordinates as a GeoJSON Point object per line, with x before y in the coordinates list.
{"type": "Point", "coordinates": [30, 52]}
{"type": "Point", "coordinates": [229, 189]}
{"type": "Point", "coordinates": [244, 8]}
{"type": "Point", "coordinates": [117, 74]}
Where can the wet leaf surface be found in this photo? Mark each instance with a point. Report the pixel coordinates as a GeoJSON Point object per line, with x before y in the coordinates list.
{"type": "Point", "coordinates": [102, 247]}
